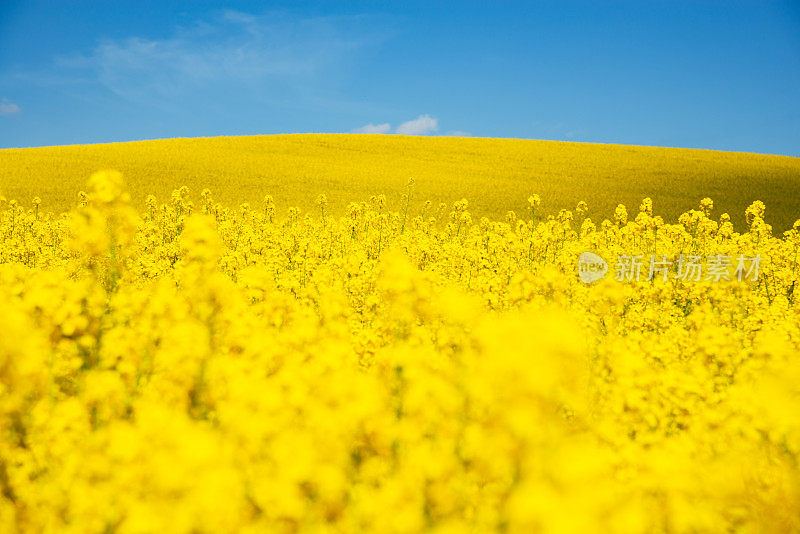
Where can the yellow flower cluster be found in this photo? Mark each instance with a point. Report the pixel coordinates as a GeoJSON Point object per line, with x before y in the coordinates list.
{"type": "Point", "coordinates": [196, 368]}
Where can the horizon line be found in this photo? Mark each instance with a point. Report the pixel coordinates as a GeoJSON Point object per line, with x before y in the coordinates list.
{"type": "Point", "coordinates": [351, 134]}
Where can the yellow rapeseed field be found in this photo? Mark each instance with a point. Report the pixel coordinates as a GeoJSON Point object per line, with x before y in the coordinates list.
{"type": "Point", "coordinates": [180, 364]}
{"type": "Point", "coordinates": [496, 175]}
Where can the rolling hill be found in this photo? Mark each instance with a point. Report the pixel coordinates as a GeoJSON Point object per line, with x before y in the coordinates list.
{"type": "Point", "coordinates": [495, 175]}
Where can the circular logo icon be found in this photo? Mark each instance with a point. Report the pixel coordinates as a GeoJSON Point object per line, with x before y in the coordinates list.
{"type": "Point", "coordinates": [591, 267]}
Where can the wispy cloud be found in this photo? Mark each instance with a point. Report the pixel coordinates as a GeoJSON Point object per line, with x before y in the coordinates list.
{"type": "Point", "coordinates": [422, 125]}
{"type": "Point", "coordinates": [8, 108]}
{"type": "Point", "coordinates": [373, 129]}
{"type": "Point", "coordinates": [557, 131]}
{"type": "Point", "coordinates": [269, 56]}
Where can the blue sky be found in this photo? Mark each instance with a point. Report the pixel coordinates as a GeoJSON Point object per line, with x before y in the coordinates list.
{"type": "Point", "coordinates": [721, 75]}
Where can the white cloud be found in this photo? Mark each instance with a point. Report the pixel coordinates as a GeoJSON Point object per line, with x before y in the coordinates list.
{"type": "Point", "coordinates": [239, 17]}
{"type": "Point", "coordinates": [458, 133]}
{"type": "Point", "coordinates": [373, 128]}
{"type": "Point", "coordinates": [235, 55]}
{"type": "Point", "coordinates": [422, 125]}
{"type": "Point", "coordinates": [8, 108]}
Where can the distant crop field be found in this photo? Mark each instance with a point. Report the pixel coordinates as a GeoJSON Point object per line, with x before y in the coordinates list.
{"type": "Point", "coordinates": [495, 175]}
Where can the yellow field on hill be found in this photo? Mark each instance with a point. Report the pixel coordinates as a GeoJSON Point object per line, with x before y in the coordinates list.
{"type": "Point", "coordinates": [495, 175]}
